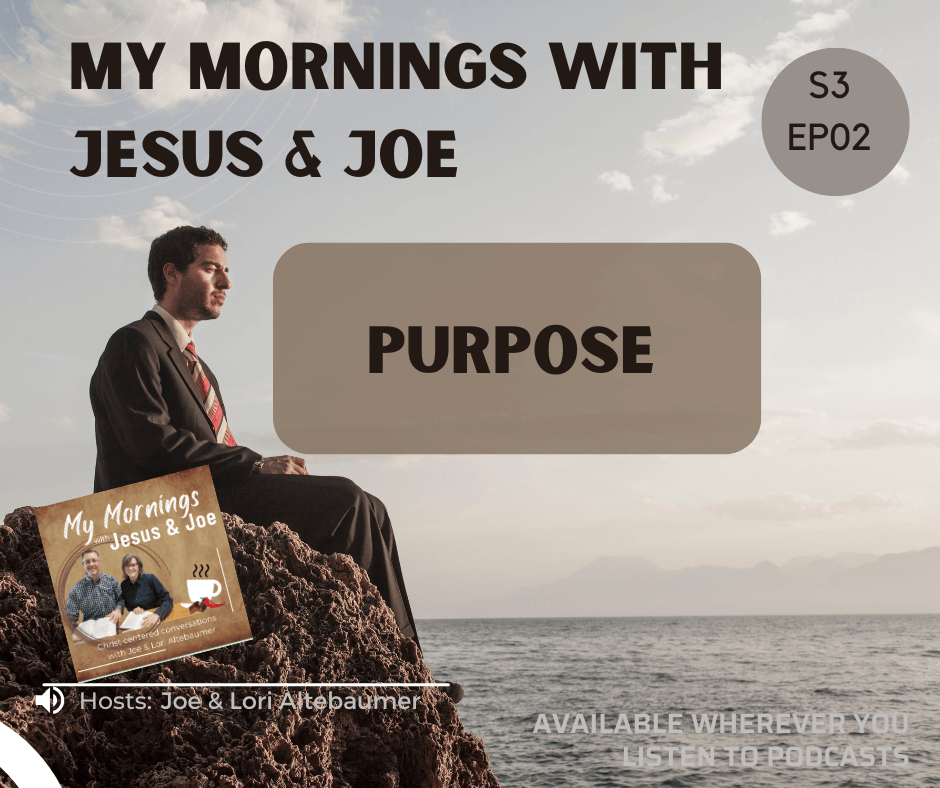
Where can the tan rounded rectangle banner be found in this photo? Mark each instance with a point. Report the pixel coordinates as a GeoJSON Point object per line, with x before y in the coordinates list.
{"type": "Point", "coordinates": [516, 348]}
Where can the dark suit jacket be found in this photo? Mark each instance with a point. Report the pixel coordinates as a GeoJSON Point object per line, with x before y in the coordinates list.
{"type": "Point", "coordinates": [149, 419]}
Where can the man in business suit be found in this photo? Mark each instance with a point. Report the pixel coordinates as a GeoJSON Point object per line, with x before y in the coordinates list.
{"type": "Point", "coordinates": [158, 409]}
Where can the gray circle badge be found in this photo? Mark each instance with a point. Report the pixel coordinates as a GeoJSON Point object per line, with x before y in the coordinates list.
{"type": "Point", "coordinates": [835, 121]}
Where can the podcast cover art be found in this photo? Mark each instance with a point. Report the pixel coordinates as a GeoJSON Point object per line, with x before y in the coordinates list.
{"type": "Point", "coordinates": [143, 574]}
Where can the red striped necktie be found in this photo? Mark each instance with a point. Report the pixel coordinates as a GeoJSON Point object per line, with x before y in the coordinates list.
{"type": "Point", "coordinates": [210, 402]}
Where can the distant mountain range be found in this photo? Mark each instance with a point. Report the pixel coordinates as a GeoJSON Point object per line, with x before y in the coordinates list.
{"type": "Point", "coordinates": [634, 586]}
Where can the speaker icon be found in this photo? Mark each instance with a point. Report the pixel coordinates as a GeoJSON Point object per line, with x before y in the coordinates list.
{"type": "Point", "coordinates": [56, 703]}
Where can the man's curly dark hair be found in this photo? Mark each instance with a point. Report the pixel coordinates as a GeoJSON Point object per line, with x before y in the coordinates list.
{"type": "Point", "coordinates": [179, 246]}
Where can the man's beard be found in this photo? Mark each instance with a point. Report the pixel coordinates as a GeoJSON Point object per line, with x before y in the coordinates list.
{"type": "Point", "coordinates": [192, 306]}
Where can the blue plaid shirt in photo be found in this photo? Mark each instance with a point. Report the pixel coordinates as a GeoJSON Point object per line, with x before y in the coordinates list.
{"type": "Point", "coordinates": [94, 599]}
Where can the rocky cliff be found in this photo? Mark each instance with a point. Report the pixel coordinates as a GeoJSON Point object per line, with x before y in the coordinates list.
{"type": "Point", "coordinates": [315, 618]}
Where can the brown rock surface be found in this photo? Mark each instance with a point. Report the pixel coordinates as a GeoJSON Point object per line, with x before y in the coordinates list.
{"type": "Point", "coordinates": [315, 618]}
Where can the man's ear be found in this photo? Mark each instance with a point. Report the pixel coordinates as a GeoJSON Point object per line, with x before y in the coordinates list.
{"type": "Point", "coordinates": [171, 273]}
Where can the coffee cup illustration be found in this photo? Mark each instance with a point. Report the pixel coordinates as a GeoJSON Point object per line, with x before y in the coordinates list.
{"type": "Point", "coordinates": [200, 589]}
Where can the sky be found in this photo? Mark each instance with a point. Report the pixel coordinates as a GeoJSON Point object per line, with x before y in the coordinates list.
{"type": "Point", "coordinates": [846, 459]}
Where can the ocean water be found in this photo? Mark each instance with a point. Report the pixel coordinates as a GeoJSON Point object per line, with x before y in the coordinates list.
{"type": "Point", "coordinates": [513, 670]}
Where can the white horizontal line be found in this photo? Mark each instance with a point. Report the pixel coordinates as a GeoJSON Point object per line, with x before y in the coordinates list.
{"type": "Point", "coordinates": [232, 684]}
{"type": "Point", "coordinates": [85, 670]}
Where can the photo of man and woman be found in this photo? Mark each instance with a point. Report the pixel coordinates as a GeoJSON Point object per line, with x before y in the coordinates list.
{"type": "Point", "coordinates": [139, 601]}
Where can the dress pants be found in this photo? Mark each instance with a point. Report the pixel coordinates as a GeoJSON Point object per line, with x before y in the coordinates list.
{"type": "Point", "coordinates": [332, 515]}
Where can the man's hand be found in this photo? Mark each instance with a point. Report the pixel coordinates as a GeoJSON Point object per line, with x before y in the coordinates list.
{"type": "Point", "coordinates": [285, 464]}
{"type": "Point", "coordinates": [138, 610]}
{"type": "Point", "coordinates": [115, 616]}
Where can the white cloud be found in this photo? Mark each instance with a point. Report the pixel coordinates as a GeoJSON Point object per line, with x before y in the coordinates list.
{"type": "Point", "coordinates": [7, 150]}
{"type": "Point", "coordinates": [899, 173]}
{"type": "Point", "coordinates": [790, 45]}
{"type": "Point", "coordinates": [439, 30]}
{"type": "Point", "coordinates": [40, 64]}
{"type": "Point", "coordinates": [847, 202]}
{"type": "Point", "coordinates": [440, 33]}
{"type": "Point", "coordinates": [822, 23]}
{"type": "Point", "coordinates": [887, 433]}
{"type": "Point", "coordinates": [812, 2]}
{"type": "Point", "coordinates": [792, 507]}
{"type": "Point", "coordinates": [12, 117]}
{"type": "Point", "coordinates": [617, 180]}
{"type": "Point", "coordinates": [164, 214]}
{"type": "Point", "coordinates": [701, 131]}
{"type": "Point", "coordinates": [660, 194]}
{"type": "Point", "coordinates": [720, 117]}
{"type": "Point", "coordinates": [4, 412]}
{"type": "Point", "coordinates": [787, 222]}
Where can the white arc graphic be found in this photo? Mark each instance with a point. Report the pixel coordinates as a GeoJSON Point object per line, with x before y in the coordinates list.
{"type": "Point", "coordinates": [22, 763]}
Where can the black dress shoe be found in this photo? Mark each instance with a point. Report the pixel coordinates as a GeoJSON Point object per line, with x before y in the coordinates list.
{"type": "Point", "coordinates": [453, 691]}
